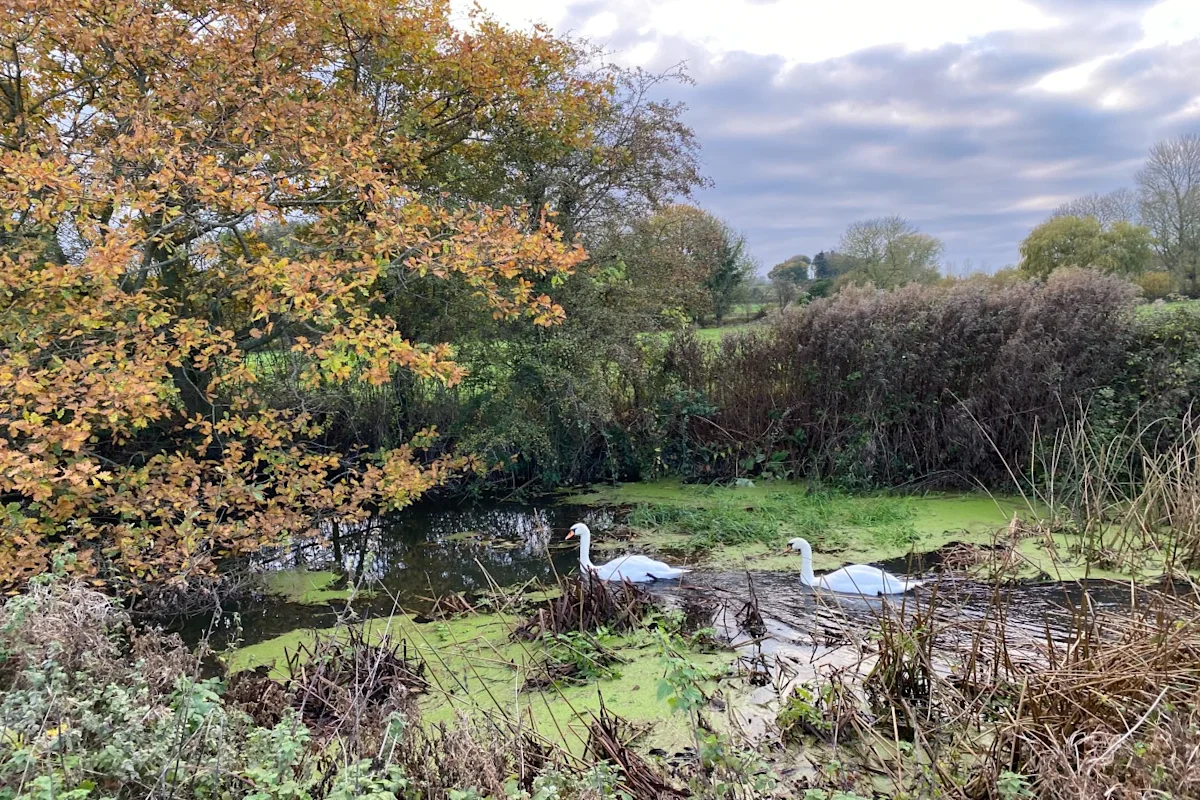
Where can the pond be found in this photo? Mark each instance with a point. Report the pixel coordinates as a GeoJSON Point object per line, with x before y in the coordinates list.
{"type": "Point", "coordinates": [428, 551]}
{"type": "Point", "coordinates": [772, 639]}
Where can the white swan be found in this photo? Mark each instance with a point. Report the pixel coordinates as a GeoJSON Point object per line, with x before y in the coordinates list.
{"type": "Point", "coordinates": [637, 569]}
{"type": "Point", "coordinates": [854, 579]}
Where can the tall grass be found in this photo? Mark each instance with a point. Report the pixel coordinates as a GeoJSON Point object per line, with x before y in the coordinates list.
{"type": "Point", "coordinates": [957, 702]}
{"type": "Point", "coordinates": [1124, 494]}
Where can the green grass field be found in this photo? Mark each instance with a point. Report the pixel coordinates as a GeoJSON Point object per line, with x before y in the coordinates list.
{"type": "Point", "coordinates": [1149, 309]}
{"type": "Point", "coordinates": [716, 334]}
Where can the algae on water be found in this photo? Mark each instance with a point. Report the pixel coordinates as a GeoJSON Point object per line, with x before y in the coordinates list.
{"type": "Point", "coordinates": [747, 527]}
{"type": "Point", "coordinates": [474, 666]}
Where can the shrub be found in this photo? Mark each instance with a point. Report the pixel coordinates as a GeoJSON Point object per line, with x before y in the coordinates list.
{"type": "Point", "coordinates": [948, 384]}
{"type": "Point", "coordinates": [872, 387]}
{"type": "Point", "coordinates": [1155, 285]}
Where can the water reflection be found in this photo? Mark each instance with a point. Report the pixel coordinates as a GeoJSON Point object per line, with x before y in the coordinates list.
{"type": "Point", "coordinates": [429, 551]}
{"type": "Point", "coordinates": [425, 552]}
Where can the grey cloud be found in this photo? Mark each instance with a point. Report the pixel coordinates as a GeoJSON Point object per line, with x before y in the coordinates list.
{"type": "Point", "coordinates": [957, 138]}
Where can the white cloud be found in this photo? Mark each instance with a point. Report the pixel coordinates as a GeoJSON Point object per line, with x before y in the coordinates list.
{"type": "Point", "coordinates": [1115, 99]}
{"type": "Point", "coordinates": [975, 118]}
{"type": "Point", "coordinates": [1189, 113]}
{"type": "Point", "coordinates": [601, 25]}
{"type": "Point", "coordinates": [1169, 24]}
{"type": "Point", "coordinates": [898, 113]}
{"type": "Point", "coordinates": [1172, 22]}
{"type": "Point", "coordinates": [799, 31]}
{"type": "Point", "coordinates": [1044, 202]}
{"type": "Point", "coordinates": [808, 31]}
{"type": "Point", "coordinates": [1071, 79]}
{"type": "Point", "coordinates": [640, 55]}
{"type": "Point", "coordinates": [517, 13]}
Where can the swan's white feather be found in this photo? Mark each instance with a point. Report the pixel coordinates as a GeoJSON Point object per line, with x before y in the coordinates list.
{"type": "Point", "coordinates": [866, 580]}
{"type": "Point", "coordinates": [637, 569]}
{"type": "Point", "coordinates": [633, 568]}
{"type": "Point", "coordinates": [860, 579]}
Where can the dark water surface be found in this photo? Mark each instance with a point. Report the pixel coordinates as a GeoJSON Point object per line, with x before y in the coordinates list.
{"type": "Point", "coordinates": [429, 551]}
{"type": "Point", "coordinates": [410, 558]}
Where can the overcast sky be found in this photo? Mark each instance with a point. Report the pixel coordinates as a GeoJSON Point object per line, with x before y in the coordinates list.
{"type": "Point", "coordinates": [973, 118]}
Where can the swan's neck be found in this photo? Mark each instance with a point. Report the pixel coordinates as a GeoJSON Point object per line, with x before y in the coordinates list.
{"type": "Point", "coordinates": [806, 568]}
{"type": "Point", "coordinates": [585, 551]}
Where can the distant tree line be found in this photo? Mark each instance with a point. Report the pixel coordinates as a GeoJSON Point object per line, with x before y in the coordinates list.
{"type": "Point", "coordinates": [1150, 235]}
{"type": "Point", "coordinates": [885, 252]}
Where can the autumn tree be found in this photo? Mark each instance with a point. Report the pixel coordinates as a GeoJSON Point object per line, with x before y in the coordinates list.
{"type": "Point", "coordinates": [1169, 188]}
{"type": "Point", "coordinates": [640, 157]}
{"type": "Point", "coordinates": [1060, 242]}
{"type": "Point", "coordinates": [890, 252]}
{"type": "Point", "coordinates": [788, 276]}
{"type": "Point", "coordinates": [684, 262]}
{"type": "Point", "coordinates": [795, 268]}
{"type": "Point", "coordinates": [1119, 205]}
{"type": "Point", "coordinates": [537, 399]}
{"type": "Point", "coordinates": [151, 152]}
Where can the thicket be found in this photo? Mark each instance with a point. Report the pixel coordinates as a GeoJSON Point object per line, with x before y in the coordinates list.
{"type": "Point", "coordinates": [955, 385]}
{"type": "Point", "coordinates": [949, 385]}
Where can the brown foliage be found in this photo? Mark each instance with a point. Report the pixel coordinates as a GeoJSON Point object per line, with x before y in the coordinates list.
{"type": "Point", "coordinates": [451, 605]}
{"type": "Point", "coordinates": [150, 155]}
{"type": "Point", "coordinates": [1117, 716]}
{"type": "Point", "coordinates": [585, 604]}
{"type": "Point", "coordinates": [946, 383]}
{"type": "Point", "coordinates": [68, 622]}
{"type": "Point", "coordinates": [1120, 670]}
{"type": "Point", "coordinates": [334, 680]}
{"type": "Point", "coordinates": [263, 698]}
{"type": "Point", "coordinates": [608, 740]}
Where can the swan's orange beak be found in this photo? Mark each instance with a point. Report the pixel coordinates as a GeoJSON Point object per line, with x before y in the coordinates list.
{"type": "Point", "coordinates": [570, 534]}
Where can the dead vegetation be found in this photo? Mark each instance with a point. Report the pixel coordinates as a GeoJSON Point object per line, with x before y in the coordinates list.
{"type": "Point", "coordinates": [1129, 496]}
{"type": "Point", "coordinates": [976, 707]}
{"type": "Point", "coordinates": [449, 606]}
{"type": "Point", "coordinates": [903, 674]}
{"type": "Point", "coordinates": [749, 617]}
{"type": "Point", "coordinates": [1117, 715]}
{"type": "Point", "coordinates": [609, 739]}
{"type": "Point", "coordinates": [571, 658]}
{"type": "Point", "coordinates": [69, 623]}
{"type": "Point", "coordinates": [585, 605]}
{"type": "Point", "coordinates": [259, 695]}
{"type": "Point", "coordinates": [335, 678]}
